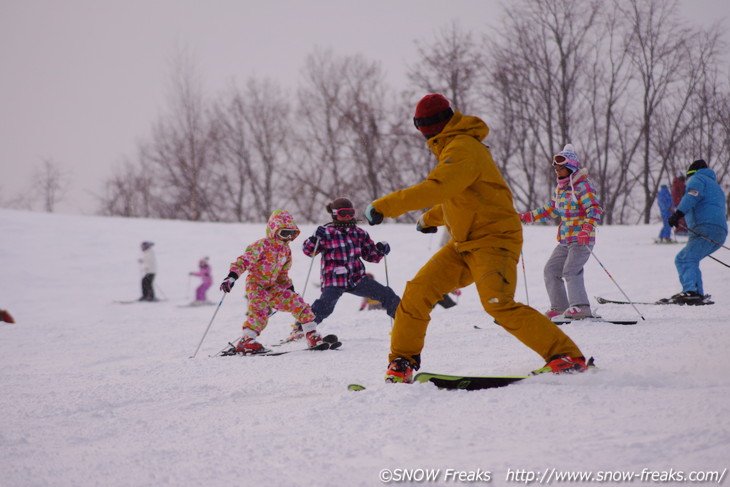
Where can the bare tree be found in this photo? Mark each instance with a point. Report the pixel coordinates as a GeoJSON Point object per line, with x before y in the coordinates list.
{"type": "Point", "coordinates": [52, 183]}
{"type": "Point", "coordinates": [451, 64]}
{"type": "Point", "coordinates": [611, 115]}
{"type": "Point", "coordinates": [535, 81]}
{"type": "Point", "coordinates": [128, 193]}
{"type": "Point", "coordinates": [706, 119]}
{"type": "Point", "coordinates": [343, 122]}
{"type": "Point", "coordinates": [658, 53]}
{"type": "Point", "coordinates": [179, 153]}
{"type": "Point", "coordinates": [253, 147]}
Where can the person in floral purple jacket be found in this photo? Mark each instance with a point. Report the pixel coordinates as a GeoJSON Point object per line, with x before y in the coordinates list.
{"type": "Point", "coordinates": [576, 205]}
{"type": "Point", "coordinates": [343, 245]}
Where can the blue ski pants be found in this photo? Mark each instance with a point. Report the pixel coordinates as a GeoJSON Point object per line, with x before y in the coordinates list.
{"type": "Point", "coordinates": [366, 288]}
{"type": "Point", "coordinates": [688, 259]}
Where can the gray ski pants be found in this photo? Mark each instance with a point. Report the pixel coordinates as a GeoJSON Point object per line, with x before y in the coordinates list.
{"type": "Point", "coordinates": [564, 276]}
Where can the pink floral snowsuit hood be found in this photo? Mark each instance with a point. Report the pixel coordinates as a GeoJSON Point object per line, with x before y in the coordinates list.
{"type": "Point", "coordinates": [268, 260]}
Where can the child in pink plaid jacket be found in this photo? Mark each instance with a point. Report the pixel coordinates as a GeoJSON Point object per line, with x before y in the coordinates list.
{"type": "Point", "coordinates": [343, 245]}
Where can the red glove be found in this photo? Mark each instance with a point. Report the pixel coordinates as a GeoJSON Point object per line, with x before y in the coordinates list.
{"type": "Point", "coordinates": [584, 236]}
{"type": "Point", "coordinates": [526, 217]}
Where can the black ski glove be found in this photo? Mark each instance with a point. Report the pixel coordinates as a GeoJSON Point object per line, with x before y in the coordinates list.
{"type": "Point", "coordinates": [383, 247]}
{"type": "Point", "coordinates": [373, 216]}
{"type": "Point", "coordinates": [228, 282]}
{"type": "Point", "coordinates": [674, 219]}
{"type": "Point", "coordinates": [426, 229]}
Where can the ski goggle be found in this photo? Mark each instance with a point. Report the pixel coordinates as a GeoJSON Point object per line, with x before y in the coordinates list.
{"type": "Point", "coordinates": [344, 213]}
{"type": "Point", "coordinates": [433, 119]}
{"type": "Point", "coordinates": [287, 233]}
{"type": "Point", "coordinates": [560, 160]}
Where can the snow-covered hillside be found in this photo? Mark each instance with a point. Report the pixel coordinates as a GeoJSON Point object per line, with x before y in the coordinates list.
{"type": "Point", "coordinates": [95, 392]}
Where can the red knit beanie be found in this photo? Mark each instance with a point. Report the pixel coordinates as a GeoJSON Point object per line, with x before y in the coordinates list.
{"type": "Point", "coordinates": [433, 112]}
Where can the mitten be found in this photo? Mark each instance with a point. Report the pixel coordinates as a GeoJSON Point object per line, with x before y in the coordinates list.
{"type": "Point", "coordinates": [383, 247]}
{"type": "Point", "coordinates": [584, 236]}
{"type": "Point", "coordinates": [321, 233]}
{"type": "Point", "coordinates": [228, 282]}
{"type": "Point", "coordinates": [674, 219]}
{"type": "Point", "coordinates": [426, 229]}
{"type": "Point", "coordinates": [373, 216]}
{"type": "Point", "coordinates": [526, 217]}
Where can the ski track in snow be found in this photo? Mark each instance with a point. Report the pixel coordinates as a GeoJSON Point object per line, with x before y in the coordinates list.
{"type": "Point", "coordinates": [99, 393]}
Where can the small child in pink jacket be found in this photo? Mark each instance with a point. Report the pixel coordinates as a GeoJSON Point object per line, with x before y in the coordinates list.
{"type": "Point", "coordinates": [268, 286]}
{"type": "Point", "coordinates": [207, 280]}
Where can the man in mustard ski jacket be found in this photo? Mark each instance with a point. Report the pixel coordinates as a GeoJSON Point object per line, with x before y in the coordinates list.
{"type": "Point", "coordinates": [467, 194]}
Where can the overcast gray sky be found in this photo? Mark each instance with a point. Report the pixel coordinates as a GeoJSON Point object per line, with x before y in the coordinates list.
{"type": "Point", "coordinates": [82, 81]}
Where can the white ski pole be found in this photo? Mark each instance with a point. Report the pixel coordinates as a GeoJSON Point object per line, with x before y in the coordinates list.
{"type": "Point", "coordinates": [387, 283]}
{"type": "Point", "coordinates": [211, 322]}
{"type": "Point", "coordinates": [304, 289]}
{"type": "Point", "coordinates": [614, 281]}
{"type": "Point", "coordinates": [524, 275]}
{"type": "Point", "coordinates": [160, 291]}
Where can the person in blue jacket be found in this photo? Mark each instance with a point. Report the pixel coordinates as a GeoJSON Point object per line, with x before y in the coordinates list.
{"type": "Point", "coordinates": [665, 207]}
{"type": "Point", "coordinates": [704, 209]}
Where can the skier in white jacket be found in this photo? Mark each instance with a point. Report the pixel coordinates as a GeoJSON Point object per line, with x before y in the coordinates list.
{"type": "Point", "coordinates": [149, 268]}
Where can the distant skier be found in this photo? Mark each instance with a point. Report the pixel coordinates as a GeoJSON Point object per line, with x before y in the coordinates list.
{"type": "Point", "coordinates": [678, 187]}
{"type": "Point", "coordinates": [149, 269]}
{"type": "Point", "coordinates": [703, 207]}
{"type": "Point", "coordinates": [666, 206]}
{"type": "Point", "coordinates": [5, 316]}
{"type": "Point", "coordinates": [576, 205]}
{"type": "Point", "coordinates": [343, 245]}
{"type": "Point", "coordinates": [268, 285]}
{"type": "Point", "coordinates": [204, 273]}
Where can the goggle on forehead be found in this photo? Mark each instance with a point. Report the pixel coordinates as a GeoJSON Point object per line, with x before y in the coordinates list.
{"type": "Point", "coordinates": [286, 233]}
{"type": "Point", "coordinates": [344, 213]}
{"type": "Point", "coordinates": [560, 160]}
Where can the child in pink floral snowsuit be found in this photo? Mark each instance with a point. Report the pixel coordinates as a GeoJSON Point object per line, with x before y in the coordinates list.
{"type": "Point", "coordinates": [207, 280]}
{"type": "Point", "coordinates": [268, 286]}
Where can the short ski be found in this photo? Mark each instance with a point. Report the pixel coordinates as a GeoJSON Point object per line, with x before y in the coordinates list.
{"type": "Point", "coordinates": [132, 301]}
{"type": "Point", "coordinates": [355, 387]}
{"type": "Point", "coordinates": [329, 342]}
{"type": "Point", "coordinates": [565, 321]}
{"type": "Point", "coordinates": [332, 344]}
{"type": "Point", "coordinates": [191, 305]}
{"type": "Point", "coordinates": [664, 301]}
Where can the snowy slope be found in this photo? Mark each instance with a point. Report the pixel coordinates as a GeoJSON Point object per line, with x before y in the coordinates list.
{"type": "Point", "coordinates": [100, 393]}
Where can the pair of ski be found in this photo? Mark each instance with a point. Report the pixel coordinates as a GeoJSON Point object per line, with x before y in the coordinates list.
{"type": "Point", "coordinates": [663, 301]}
{"type": "Point", "coordinates": [329, 342]}
{"type": "Point", "coordinates": [560, 320]}
{"type": "Point", "coordinates": [468, 382]}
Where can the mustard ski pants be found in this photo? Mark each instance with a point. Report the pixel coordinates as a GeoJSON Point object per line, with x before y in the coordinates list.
{"type": "Point", "coordinates": [494, 271]}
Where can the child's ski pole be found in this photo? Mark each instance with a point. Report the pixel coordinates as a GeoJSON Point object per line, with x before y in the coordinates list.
{"type": "Point", "coordinates": [387, 283]}
{"type": "Point", "coordinates": [304, 289]}
{"type": "Point", "coordinates": [614, 281]}
{"type": "Point", "coordinates": [211, 322]}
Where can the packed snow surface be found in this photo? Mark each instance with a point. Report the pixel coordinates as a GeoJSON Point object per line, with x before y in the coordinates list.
{"type": "Point", "coordinates": [95, 392]}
